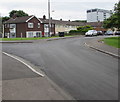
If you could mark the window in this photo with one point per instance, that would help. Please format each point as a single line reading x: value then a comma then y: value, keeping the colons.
x: 30, y: 25
x: 38, y: 25
x: 12, y: 25
x: 46, y: 25
x: 29, y: 34
x: 94, y: 10
x: 88, y: 11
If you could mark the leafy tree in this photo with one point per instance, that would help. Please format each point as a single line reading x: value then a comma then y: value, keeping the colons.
x: 19, y: 13
x: 5, y: 18
x: 114, y: 20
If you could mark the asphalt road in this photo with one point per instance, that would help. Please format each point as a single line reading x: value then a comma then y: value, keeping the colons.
x: 20, y: 83
x: 84, y: 73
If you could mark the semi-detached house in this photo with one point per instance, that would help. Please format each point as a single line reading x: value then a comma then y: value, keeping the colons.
x: 28, y: 26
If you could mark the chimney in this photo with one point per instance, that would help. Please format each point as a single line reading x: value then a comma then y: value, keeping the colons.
x: 44, y: 17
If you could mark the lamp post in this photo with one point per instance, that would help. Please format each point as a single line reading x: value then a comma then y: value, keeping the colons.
x: 49, y: 18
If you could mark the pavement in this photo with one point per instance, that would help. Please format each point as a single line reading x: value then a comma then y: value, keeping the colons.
x: 99, y: 45
x: 20, y: 83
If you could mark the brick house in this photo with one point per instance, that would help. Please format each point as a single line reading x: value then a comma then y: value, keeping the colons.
x: 28, y: 26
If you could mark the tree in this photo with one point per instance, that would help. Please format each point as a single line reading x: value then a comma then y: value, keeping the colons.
x: 114, y: 20
x: 5, y: 18
x: 19, y: 13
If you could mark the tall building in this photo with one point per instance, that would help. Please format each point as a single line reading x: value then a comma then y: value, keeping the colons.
x: 98, y: 15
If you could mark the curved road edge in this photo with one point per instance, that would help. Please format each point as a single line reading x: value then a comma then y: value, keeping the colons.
x: 37, y: 70
x: 103, y: 51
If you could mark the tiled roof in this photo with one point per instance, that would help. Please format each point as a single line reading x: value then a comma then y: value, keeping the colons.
x: 18, y: 19
x: 61, y: 22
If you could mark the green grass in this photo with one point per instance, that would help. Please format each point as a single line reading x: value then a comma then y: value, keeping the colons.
x: 15, y: 39
x: 112, y: 41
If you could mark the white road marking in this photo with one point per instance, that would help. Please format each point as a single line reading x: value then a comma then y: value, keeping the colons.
x: 24, y: 64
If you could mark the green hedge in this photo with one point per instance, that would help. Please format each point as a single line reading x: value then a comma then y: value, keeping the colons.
x: 76, y: 32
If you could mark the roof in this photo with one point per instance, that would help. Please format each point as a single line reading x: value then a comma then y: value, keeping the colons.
x: 53, y: 21
x: 61, y: 22
x: 20, y: 19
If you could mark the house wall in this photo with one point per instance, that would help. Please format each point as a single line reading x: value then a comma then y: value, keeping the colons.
x: 64, y: 28
x: 6, y: 32
x: 35, y: 28
x: 21, y: 30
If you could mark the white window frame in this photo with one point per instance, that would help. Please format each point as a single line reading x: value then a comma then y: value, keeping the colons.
x: 30, y: 25
x: 38, y: 25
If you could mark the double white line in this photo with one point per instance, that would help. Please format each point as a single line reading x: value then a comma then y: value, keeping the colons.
x: 32, y: 69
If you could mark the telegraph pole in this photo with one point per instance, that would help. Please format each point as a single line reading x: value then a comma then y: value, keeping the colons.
x: 1, y: 30
x: 49, y: 18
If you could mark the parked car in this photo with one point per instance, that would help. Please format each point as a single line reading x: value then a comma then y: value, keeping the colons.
x: 91, y: 33
x: 109, y: 32
x: 61, y: 34
x: 117, y: 32
x: 99, y: 33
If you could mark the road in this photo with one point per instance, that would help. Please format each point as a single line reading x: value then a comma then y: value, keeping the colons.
x: 84, y: 73
x: 20, y: 83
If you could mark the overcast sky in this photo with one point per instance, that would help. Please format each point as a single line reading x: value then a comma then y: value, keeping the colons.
x: 65, y: 9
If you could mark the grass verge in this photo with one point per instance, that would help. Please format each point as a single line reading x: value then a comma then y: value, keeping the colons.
x: 112, y: 41
x: 15, y: 39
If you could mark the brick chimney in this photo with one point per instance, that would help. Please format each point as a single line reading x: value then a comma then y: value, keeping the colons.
x: 44, y: 17
x: 60, y: 19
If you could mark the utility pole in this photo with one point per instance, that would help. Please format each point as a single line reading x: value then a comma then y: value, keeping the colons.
x: 1, y: 30
x: 49, y: 18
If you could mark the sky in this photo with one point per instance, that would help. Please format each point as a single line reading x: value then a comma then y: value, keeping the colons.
x: 60, y: 9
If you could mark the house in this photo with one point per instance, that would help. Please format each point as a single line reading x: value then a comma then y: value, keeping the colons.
x: 31, y: 26
x: 46, y: 26
x: 28, y: 26
x: 66, y: 26
x: 61, y: 26
x: 98, y: 15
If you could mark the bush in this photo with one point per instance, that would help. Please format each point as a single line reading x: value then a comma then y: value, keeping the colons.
x: 81, y: 30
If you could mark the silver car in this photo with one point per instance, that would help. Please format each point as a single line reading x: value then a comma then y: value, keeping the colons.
x: 91, y: 33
